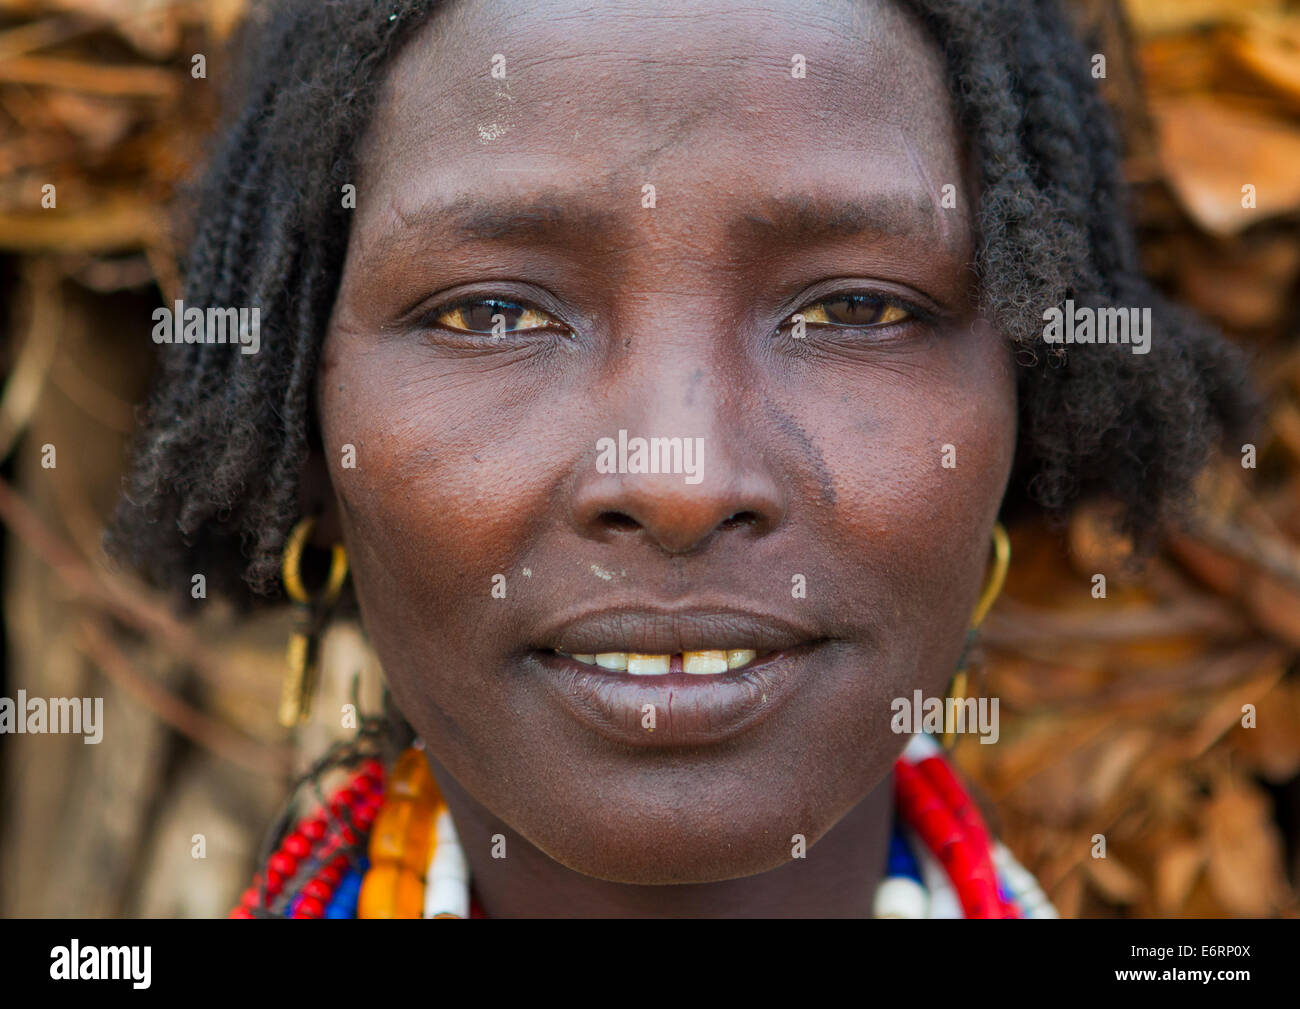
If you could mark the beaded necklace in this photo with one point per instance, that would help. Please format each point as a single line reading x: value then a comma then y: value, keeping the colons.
x: 384, y: 846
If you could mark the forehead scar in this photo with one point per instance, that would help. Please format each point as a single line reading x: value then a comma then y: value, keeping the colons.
x: 947, y: 226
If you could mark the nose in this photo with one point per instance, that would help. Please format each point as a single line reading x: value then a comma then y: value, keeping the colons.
x: 633, y: 487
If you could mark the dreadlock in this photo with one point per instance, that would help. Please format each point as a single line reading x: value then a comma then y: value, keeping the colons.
x: 214, y: 484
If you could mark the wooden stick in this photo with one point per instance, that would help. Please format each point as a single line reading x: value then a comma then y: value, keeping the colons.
x: 98, y: 645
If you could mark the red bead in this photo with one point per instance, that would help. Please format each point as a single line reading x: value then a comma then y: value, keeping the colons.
x: 240, y: 912
x: 274, y: 882
x: 343, y: 798
x: 314, y: 829
x: 252, y: 896
x: 309, y: 907
x: 340, y: 863
x: 959, y: 862
x: 365, y: 786
x: 296, y: 845
x: 932, y: 801
x: 330, y: 860
x: 945, y: 782
x: 332, y: 876
x: 373, y: 769
x: 318, y: 889
x: 283, y: 863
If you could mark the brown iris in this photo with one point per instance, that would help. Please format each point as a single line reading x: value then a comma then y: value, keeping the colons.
x: 854, y: 310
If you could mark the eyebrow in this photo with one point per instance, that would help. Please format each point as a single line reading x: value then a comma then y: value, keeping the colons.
x: 551, y: 216
x: 563, y: 217
x: 807, y: 218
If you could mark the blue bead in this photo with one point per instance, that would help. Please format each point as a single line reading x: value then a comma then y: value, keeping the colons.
x: 344, y: 902
x: 901, y: 860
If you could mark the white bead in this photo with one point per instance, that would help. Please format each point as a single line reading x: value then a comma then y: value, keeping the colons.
x: 1025, y: 890
x: 920, y: 747
x: 447, y: 888
x: 900, y: 897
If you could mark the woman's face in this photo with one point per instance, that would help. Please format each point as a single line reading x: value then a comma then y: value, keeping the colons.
x: 812, y: 519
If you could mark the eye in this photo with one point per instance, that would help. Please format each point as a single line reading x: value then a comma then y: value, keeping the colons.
x: 481, y: 315
x: 855, y: 311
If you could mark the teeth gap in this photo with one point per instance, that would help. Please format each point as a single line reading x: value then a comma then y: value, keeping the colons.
x: 709, y: 662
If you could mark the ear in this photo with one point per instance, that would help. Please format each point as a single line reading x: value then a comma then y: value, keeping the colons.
x: 316, y: 497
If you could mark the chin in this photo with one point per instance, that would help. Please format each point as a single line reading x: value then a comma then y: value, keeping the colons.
x: 656, y: 844
x: 648, y: 865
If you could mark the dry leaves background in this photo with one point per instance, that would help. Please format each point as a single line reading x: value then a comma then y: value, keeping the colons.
x: 1120, y: 717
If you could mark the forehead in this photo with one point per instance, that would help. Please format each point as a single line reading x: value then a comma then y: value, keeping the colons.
x: 698, y: 98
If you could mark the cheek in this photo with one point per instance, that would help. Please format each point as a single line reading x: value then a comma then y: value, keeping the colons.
x: 417, y: 539
x: 924, y: 457
x: 917, y: 458
x: 432, y: 500
x: 430, y: 509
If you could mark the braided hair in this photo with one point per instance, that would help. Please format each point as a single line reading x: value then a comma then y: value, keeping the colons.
x: 215, y: 478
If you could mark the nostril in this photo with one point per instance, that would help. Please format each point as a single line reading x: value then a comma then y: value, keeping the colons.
x: 739, y: 520
x: 619, y: 521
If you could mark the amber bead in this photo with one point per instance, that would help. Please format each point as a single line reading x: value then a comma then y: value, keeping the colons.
x: 389, y: 891
x: 402, y: 833
x: 412, y: 779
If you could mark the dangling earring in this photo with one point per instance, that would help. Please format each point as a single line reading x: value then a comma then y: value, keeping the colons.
x: 311, y: 614
x: 960, y: 681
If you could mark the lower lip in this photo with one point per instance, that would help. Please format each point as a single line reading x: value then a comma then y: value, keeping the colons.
x: 689, y: 710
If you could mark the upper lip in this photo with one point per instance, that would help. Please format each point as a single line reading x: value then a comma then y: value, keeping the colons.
x: 656, y: 631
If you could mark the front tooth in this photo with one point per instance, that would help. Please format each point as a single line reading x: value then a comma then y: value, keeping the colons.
x: 612, y: 660
x: 647, y: 665
x: 705, y: 663
x: 589, y: 659
x: 740, y: 657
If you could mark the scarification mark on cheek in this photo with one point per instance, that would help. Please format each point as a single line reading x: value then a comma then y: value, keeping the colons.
x: 816, y: 461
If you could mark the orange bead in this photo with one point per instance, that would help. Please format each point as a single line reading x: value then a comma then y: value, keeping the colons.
x: 412, y: 779
x: 389, y: 891
x: 419, y: 842
x: 403, y: 833
x: 388, y: 835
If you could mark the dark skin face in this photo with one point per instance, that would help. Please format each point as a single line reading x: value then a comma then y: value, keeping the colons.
x: 476, y: 455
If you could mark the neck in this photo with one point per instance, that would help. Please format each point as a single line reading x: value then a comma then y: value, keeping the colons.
x: 837, y: 878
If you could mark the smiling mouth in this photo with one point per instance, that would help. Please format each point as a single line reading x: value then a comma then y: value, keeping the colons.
x: 675, y: 676
x: 691, y: 708
x: 709, y: 662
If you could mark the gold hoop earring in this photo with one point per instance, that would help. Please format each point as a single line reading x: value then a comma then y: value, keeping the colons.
x: 311, y: 614
x: 992, y: 589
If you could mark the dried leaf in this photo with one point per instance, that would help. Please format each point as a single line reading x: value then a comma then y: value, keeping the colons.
x: 1177, y: 869
x: 1245, y: 853
x: 1113, y: 881
x: 1211, y: 149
